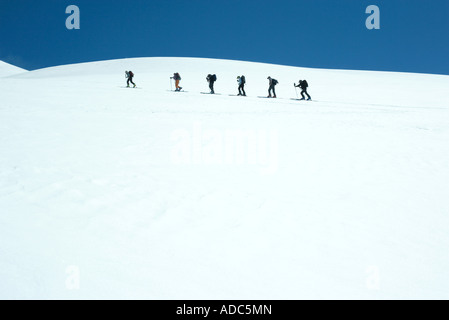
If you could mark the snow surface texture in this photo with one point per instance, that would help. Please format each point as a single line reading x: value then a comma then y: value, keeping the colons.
x: 8, y: 70
x: 108, y: 192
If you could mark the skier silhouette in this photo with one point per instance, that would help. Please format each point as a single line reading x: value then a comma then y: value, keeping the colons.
x: 272, y: 83
x: 177, y: 78
x: 241, y: 81
x: 303, y: 85
x: 129, y: 75
x: 211, y: 78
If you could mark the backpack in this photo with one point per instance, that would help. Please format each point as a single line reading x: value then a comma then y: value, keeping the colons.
x: 130, y: 74
x: 242, y: 78
x: 214, y: 77
x: 274, y: 82
x: 305, y: 84
x: 177, y: 76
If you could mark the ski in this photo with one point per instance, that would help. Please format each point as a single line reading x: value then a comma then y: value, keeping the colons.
x: 300, y: 99
x: 217, y: 94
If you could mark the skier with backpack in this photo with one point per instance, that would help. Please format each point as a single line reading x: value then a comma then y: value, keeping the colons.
x: 211, y: 78
x: 241, y: 81
x: 303, y: 85
x: 272, y: 83
x: 177, y: 78
x: 129, y: 75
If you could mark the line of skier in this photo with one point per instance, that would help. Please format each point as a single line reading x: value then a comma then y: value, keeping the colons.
x: 241, y: 80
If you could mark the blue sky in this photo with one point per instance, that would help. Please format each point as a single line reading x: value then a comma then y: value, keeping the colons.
x: 311, y: 33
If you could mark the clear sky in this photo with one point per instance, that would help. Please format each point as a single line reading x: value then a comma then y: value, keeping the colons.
x: 414, y: 35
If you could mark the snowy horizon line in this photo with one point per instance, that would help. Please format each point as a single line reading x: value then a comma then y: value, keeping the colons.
x: 222, y: 59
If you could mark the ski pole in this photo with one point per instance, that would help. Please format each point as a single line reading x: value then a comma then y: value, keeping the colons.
x: 296, y: 90
x: 171, y: 85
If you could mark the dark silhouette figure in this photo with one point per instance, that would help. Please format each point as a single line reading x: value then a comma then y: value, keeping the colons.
x: 177, y: 78
x: 211, y: 78
x: 129, y: 75
x: 303, y: 85
x: 271, y: 88
x: 241, y: 81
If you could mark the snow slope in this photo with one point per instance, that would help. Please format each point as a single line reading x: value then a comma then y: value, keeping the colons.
x: 7, y: 69
x: 108, y: 192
